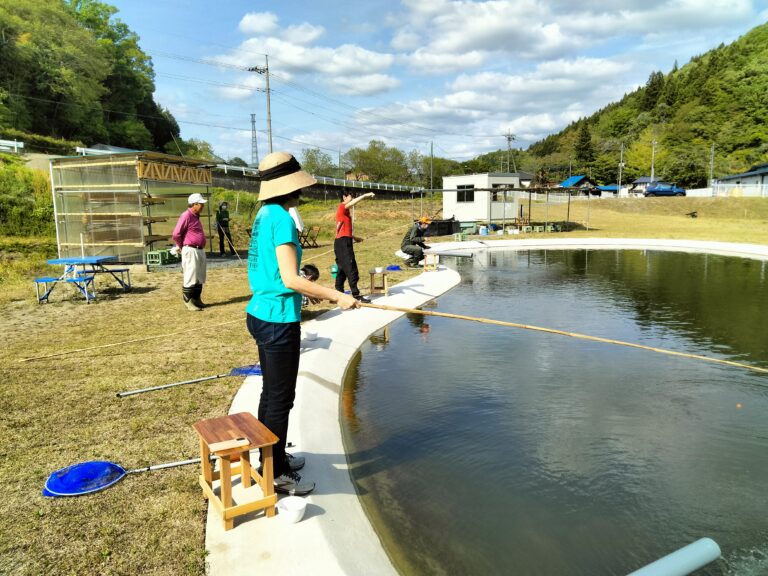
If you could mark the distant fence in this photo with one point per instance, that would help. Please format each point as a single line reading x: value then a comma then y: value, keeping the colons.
x: 11, y: 146
x: 732, y: 190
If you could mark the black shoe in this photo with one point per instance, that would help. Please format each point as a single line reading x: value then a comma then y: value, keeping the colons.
x: 294, y: 462
x: 291, y: 483
x: 363, y: 299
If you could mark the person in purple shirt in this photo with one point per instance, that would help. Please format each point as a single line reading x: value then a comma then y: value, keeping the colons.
x: 190, y: 241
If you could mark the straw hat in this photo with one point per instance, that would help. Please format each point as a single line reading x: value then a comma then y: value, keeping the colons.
x: 425, y: 220
x: 281, y: 174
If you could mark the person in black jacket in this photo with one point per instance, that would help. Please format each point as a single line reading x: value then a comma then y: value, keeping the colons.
x: 413, y: 241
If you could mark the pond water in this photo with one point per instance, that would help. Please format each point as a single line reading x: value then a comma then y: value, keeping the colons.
x: 481, y: 449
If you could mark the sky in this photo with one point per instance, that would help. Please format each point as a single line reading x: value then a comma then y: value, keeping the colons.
x: 453, y: 78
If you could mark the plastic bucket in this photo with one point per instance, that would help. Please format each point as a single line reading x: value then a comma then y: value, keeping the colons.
x: 483, y: 230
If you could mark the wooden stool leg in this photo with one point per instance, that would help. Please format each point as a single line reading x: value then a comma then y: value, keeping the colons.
x: 245, y: 469
x: 267, y: 477
x: 205, y: 462
x: 226, y: 490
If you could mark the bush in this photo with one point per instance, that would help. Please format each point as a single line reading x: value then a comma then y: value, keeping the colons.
x: 26, y: 206
x: 37, y: 143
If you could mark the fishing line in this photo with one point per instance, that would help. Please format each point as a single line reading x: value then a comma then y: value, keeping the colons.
x: 565, y: 333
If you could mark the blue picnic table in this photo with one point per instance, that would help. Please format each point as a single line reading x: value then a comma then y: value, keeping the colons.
x: 80, y: 272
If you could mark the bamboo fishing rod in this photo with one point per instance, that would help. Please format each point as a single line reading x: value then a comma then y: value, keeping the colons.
x: 563, y: 333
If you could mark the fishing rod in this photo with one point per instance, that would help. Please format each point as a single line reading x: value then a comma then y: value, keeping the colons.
x: 563, y: 333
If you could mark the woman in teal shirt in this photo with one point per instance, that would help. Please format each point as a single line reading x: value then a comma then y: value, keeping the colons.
x: 274, y: 311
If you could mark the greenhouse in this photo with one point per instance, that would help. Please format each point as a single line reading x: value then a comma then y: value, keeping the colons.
x: 124, y: 205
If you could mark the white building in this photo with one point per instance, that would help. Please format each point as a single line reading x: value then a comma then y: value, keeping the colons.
x: 472, y: 197
x: 752, y: 183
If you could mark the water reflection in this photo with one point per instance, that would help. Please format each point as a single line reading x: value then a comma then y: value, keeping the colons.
x: 539, y: 454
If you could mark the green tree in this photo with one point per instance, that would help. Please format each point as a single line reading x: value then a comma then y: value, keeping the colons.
x: 199, y: 149
x: 583, y: 150
x: 379, y: 162
x: 317, y: 162
x: 653, y: 89
x: 130, y: 83
x: 53, y: 70
x: 237, y: 161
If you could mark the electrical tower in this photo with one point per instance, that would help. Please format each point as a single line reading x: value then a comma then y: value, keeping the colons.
x: 254, y: 143
x: 510, y: 137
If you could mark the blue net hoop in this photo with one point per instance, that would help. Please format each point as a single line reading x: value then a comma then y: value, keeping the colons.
x: 251, y: 370
x: 83, y: 478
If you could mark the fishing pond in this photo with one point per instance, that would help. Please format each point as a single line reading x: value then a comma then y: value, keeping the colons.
x: 485, y: 449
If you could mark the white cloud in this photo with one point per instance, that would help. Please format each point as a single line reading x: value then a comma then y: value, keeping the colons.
x: 243, y: 88
x: 303, y: 33
x: 530, y: 66
x: 426, y: 62
x: 405, y: 40
x: 364, y: 85
x: 258, y: 23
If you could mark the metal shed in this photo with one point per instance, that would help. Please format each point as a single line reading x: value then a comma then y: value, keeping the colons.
x: 123, y: 205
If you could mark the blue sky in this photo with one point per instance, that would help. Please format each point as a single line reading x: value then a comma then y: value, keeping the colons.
x: 456, y: 75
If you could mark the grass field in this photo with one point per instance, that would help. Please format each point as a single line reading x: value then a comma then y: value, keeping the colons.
x: 62, y: 409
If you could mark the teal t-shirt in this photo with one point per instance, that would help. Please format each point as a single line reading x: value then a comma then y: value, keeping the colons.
x: 271, y: 300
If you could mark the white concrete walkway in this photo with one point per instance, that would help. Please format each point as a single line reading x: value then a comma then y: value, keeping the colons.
x: 335, y: 537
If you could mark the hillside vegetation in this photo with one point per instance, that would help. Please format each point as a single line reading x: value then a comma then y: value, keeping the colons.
x: 72, y: 74
x: 718, y: 102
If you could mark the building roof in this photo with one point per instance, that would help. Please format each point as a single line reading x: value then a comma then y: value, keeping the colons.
x: 520, y: 175
x: 755, y: 170
x: 575, y: 181
x: 609, y: 188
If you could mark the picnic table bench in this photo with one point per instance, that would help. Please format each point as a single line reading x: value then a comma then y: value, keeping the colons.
x: 81, y: 272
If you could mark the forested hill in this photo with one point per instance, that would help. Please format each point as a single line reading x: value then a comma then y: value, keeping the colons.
x: 719, y: 98
x: 69, y: 70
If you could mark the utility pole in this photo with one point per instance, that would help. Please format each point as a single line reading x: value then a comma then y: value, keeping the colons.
x: 510, y: 137
x: 621, y: 165
x: 254, y: 143
x: 712, y: 166
x: 431, y: 160
x: 653, y: 160
x: 265, y: 70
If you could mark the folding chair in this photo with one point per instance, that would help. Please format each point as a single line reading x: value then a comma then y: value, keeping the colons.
x: 312, y: 237
x: 303, y: 237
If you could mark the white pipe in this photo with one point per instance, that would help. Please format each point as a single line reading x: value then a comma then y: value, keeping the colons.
x: 683, y: 561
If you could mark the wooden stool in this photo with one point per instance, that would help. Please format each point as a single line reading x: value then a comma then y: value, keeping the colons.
x: 431, y: 261
x: 230, y: 438
x: 379, y: 287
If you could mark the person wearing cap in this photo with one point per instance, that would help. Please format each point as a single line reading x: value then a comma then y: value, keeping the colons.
x: 342, y: 245
x: 222, y: 225
x: 413, y: 241
x: 189, y: 238
x: 274, y: 311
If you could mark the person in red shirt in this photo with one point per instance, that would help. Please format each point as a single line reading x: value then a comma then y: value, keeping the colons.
x: 342, y: 245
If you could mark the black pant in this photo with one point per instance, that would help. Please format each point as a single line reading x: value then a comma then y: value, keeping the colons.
x: 345, y: 261
x: 279, y: 346
x: 414, y: 251
x: 224, y: 231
